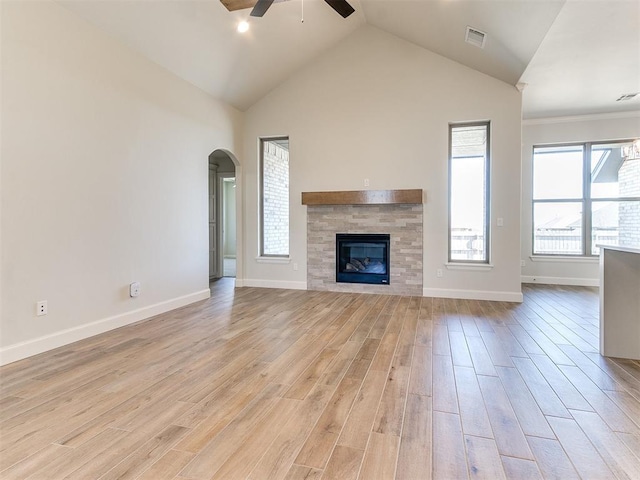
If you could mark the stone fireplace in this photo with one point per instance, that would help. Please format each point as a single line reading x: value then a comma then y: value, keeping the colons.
x: 401, y: 221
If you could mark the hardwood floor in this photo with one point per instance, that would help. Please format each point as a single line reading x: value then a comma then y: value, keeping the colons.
x: 283, y: 384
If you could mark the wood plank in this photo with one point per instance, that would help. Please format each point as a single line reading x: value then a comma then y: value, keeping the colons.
x: 545, y: 396
x: 141, y: 458
x: 390, y: 413
x: 278, y: 459
x: 532, y: 420
x: 449, y: 458
x: 167, y: 466
x: 414, y: 457
x: 504, y: 422
x: 421, y: 377
x: 305, y: 382
x: 480, y: 356
x: 316, y: 450
x: 78, y: 459
x: 445, y: 398
x: 585, y: 458
x: 215, y: 450
x: 497, y: 352
x: 380, y: 457
x: 614, y: 451
x: 590, y: 369
x: 520, y: 469
x: 363, y: 197
x: 300, y: 472
x: 248, y: 453
x: 617, y: 420
x: 483, y: 458
x: 551, y: 458
x: 33, y: 463
x: 425, y: 324
x: 247, y: 402
x: 440, y: 340
x: 360, y: 420
x: 344, y: 464
x: 459, y: 349
x: 475, y: 420
x: 560, y: 384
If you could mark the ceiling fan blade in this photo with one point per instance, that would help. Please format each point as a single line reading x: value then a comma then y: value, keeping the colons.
x: 261, y: 7
x: 340, y: 6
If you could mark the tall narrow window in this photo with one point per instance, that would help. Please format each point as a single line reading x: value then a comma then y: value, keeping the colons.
x: 558, y: 200
x: 274, y: 189
x: 469, y: 192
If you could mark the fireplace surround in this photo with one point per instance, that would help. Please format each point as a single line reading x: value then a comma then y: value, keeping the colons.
x: 402, y: 222
x: 397, y: 213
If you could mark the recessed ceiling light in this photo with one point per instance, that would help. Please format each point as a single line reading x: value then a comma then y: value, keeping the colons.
x: 626, y: 96
x: 243, y: 26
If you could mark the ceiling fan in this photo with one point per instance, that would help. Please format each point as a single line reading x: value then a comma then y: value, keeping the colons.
x: 261, y: 6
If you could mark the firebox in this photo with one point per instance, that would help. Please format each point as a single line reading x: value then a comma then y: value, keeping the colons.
x: 362, y: 258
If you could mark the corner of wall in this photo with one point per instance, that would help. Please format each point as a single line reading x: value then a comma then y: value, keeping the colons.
x: 19, y: 351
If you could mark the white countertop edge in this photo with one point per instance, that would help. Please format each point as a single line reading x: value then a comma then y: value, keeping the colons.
x: 621, y: 249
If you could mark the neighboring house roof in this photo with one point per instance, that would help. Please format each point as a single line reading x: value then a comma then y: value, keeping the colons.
x: 604, y: 215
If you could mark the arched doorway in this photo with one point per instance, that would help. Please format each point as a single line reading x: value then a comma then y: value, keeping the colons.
x: 224, y: 251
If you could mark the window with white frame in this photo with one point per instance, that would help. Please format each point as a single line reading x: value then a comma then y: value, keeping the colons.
x: 469, y: 192
x: 274, y: 190
x: 585, y: 195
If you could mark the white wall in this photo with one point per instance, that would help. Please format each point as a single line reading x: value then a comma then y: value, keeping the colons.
x: 378, y: 107
x: 104, y: 180
x: 566, y: 271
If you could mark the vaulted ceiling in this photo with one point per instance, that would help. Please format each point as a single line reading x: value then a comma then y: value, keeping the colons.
x: 575, y: 57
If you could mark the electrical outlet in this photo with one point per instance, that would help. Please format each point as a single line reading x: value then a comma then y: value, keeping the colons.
x: 439, y: 273
x: 295, y: 267
x: 366, y: 182
x: 41, y: 308
x: 522, y: 263
x: 500, y: 222
x: 134, y: 289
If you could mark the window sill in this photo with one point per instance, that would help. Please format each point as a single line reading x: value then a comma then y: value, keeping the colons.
x: 563, y: 259
x: 276, y: 260
x: 478, y: 267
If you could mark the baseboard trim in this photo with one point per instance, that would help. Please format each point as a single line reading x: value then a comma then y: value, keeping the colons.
x: 274, y: 284
x: 577, y: 282
x: 29, y: 348
x: 473, y: 294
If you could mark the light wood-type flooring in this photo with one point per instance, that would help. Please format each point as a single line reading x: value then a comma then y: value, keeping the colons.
x: 282, y: 384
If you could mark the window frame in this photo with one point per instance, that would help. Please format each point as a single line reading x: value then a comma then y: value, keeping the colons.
x: 487, y: 193
x: 261, y: 253
x: 586, y: 200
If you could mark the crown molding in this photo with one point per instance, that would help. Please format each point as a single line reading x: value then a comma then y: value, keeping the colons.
x: 581, y: 118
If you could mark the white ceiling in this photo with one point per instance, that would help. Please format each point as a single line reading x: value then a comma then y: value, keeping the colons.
x: 576, y: 56
x: 589, y: 58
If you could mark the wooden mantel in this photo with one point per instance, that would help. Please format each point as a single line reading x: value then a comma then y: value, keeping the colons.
x: 363, y: 197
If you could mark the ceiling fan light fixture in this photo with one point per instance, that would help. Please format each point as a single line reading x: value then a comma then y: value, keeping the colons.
x: 243, y: 26
x: 475, y: 37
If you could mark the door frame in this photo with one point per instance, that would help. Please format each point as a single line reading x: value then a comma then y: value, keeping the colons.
x: 220, y: 222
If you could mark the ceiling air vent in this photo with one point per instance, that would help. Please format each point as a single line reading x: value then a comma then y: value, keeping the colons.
x: 626, y: 96
x: 475, y: 37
